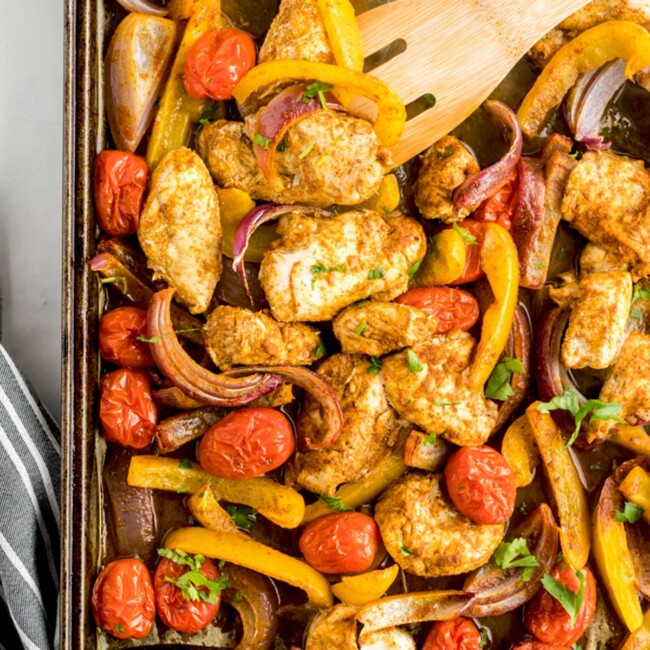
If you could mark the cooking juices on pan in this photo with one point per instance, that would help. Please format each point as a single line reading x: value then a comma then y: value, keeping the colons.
x: 352, y: 406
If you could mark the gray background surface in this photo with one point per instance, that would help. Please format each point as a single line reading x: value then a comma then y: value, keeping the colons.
x: 31, y: 101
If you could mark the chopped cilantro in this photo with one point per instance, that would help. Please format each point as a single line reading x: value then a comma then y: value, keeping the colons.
x: 498, y: 386
x: 320, y: 350
x: 119, y: 628
x: 448, y: 152
x: 570, y: 601
x: 184, y: 490
x: 145, y: 339
x: 185, y: 464
x: 317, y: 89
x: 630, y: 514
x: 320, y: 160
x: 120, y: 280
x: 386, y: 209
x: 540, y: 265
x: 262, y: 141
x: 243, y: 516
x: 431, y: 439
x: 415, y: 365
x: 485, y: 637
x: 569, y: 401
x: 206, y: 117
x: 282, y: 145
x: 320, y: 268
x: 406, y: 552
x: 361, y: 303
x: 514, y: 555
x: 640, y: 293
x: 306, y: 151
x: 376, y: 274
x: 465, y: 235
x: 363, y: 326
x: 636, y: 313
x: 194, y: 585
x: 334, y: 503
x: 414, y: 269
x: 239, y: 596
x: 442, y: 403
x: 375, y: 366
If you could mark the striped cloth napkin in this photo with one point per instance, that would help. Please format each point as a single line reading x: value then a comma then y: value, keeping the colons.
x: 30, y: 457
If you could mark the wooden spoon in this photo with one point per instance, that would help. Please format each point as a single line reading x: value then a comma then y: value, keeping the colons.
x: 456, y: 50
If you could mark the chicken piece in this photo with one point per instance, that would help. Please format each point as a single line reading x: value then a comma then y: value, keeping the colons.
x: 597, y: 323
x: 593, y: 14
x: 377, y: 328
x: 607, y: 199
x: 437, y: 398
x: 321, y: 265
x: 628, y: 385
x: 445, y: 165
x: 180, y: 228
x: 236, y: 336
x: 425, y: 533
x: 390, y: 638
x: 330, y: 158
x: 565, y: 293
x: 336, y: 627
x: 370, y: 430
x: 594, y: 259
x: 297, y: 32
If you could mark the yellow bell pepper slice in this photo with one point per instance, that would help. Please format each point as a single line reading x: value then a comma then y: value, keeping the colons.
x: 518, y: 448
x: 364, y: 588
x: 635, y: 487
x: 356, y: 494
x: 387, y: 197
x: 633, y: 438
x: 206, y: 510
x: 391, y: 117
x: 342, y: 32
x: 279, y: 503
x: 501, y: 265
x: 178, y: 111
x: 616, y: 39
x: 181, y: 9
x: 614, y: 559
x: 640, y: 638
x: 570, y: 499
x: 445, y: 260
x: 245, y: 551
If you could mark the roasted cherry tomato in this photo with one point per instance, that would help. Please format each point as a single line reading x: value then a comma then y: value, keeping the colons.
x: 177, y: 611
x: 538, y: 645
x: 247, y: 443
x: 120, y: 183
x: 123, y: 599
x: 340, y: 543
x: 499, y: 207
x: 549, y: 621
x: 217, y: 62
x: 118, y: 342
x: 481, y: 485
x: 454, y: 309
x: 126, y: 409
x: 459, y: 634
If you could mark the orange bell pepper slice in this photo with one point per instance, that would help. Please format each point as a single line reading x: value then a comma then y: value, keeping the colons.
x: 616, y: 39
x: 518, y: 448
x: 640, y: 638
x: 364, y: 588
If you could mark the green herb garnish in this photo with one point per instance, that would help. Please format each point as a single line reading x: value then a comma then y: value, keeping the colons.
x: 515, y: 555
x: 334, y: 503
x: 465, y: 235
x: 243, y: 516
x: 185, y: 464
x: 320, y: 350
x: 317, y: 89
x: 320, y: 268
x: 406, y: 552
x: 206, y: 117
x: 431, y: 439
x: 442, y: 403
x: 306, y: 151
x: 375, y: 366
x: 376, y: 274
x: 414, y: 269
x: 119, y: 628
x: 630, y: 514
x: 363, y: 326
x: 640, y: 293
x: 415, y: 365
x: 569, y: 600
x: 262, y: 141
x: 498, y: 386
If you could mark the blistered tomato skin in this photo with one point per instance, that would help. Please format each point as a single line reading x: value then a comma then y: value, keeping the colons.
x: 217, y: 62
x: 545, y: 617
x: 247, y: 443
x: 341, y: 543
x: 481, y: 485
x: 126, y: 409
x: 118, y: 338
x: 538, y: 645
x: 459, y: 634
x: 123, y: 599
x: 454, y: 309
x: 174, y: 609
x: 120, y: 181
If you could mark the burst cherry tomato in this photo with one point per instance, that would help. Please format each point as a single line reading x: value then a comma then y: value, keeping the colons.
x: 247, y: 443
x: 454, y: 309
x: 459, y: 634
x: 123, y: 599
x: 481, y: 485
x: 340, y: 543
x: 216, y: 63
x: 549, y: 621
x: 126, y: 409
x: 538, y: 645
x: 118, y: 343
x: 499, y: 207
x: 174, y: 609
x: 119, y: 186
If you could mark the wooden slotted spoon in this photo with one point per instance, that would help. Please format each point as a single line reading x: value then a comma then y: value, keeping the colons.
x: 456, y: 50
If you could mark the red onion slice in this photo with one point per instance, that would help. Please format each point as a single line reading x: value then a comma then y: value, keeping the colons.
x: 143, y: 7
x: 194, y: 380
x: 276, y: 118
x: 317, y: 387
x: 248, y: 225
x: 485, y: 183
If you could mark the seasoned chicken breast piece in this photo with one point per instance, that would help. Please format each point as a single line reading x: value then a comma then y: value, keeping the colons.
x: 370, y: 427
x: 297, y: 32
x: 426, y: 535
x: 445, y: 166
x: 607, y: 199
x: 390, y: 638
x: 236, y: 336
x: 594, y: 259
x: 628, y: 385
x: 377, y: 328
x: 437, y: 398
x: 336, y: 628
x: 329, y: 158
x: 180, y: 229
x: 597, y: 322
x: 321, y: 265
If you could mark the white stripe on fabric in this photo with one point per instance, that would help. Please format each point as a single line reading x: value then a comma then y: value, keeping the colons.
x: 27, y: 642
x: 22, y: 569
x: 30, y: 399
x: 20, y: 468
x: 36, y: 455
x: 2, y: 647
x: 57, y: 640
